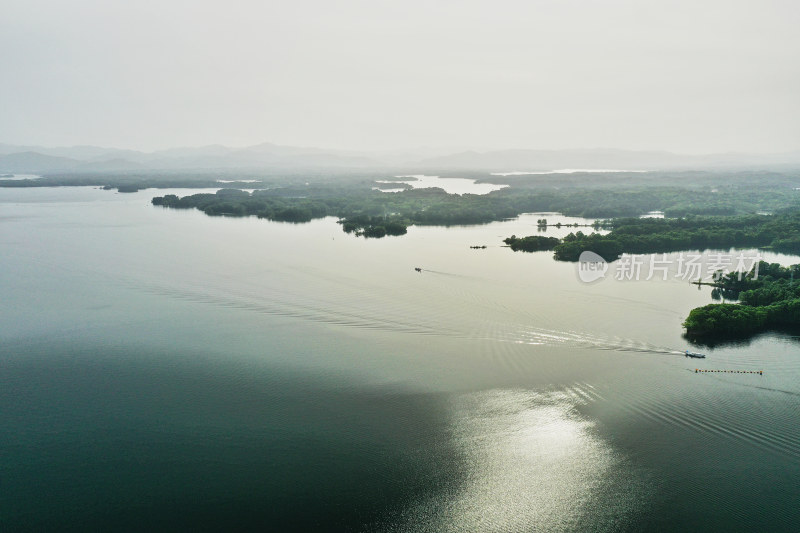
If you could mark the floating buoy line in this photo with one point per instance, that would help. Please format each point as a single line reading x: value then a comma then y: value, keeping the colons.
x: 759, y: 372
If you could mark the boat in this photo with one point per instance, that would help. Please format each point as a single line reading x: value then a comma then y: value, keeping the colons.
x: 418, y: 269
x: 694, y: 354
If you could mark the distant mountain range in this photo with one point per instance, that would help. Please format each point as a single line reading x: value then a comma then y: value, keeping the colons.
x: 88, y: 159
x: 96, y: 159
x: 543, y: 160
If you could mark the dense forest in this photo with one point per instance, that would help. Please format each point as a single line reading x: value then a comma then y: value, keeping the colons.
x: 704, y: 210
x: 769, y: 298
x: 779, y: 232
x: 364, y: 210
x: 534, y: 243
x: 355, y: 198
x: 434, y: 206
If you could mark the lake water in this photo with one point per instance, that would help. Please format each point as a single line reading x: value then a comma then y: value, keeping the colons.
x: 563, y: 171
x: 449, y: 185
x: 166, y: 370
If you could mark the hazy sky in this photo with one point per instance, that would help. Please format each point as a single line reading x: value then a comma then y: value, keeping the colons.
x: 687, y: 76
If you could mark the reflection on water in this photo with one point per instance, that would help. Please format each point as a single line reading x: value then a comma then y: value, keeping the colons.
x: 163, y: 363
x: 533, y: 463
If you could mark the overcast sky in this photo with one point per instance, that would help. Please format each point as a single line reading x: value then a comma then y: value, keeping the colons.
x: 686, y: 76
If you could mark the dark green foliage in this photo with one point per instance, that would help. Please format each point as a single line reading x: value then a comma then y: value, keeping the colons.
x: 769, y: 300
x: 654, y: 235
x: 595, y: 195
x: 789, y: 245
x: 736, y: 320
x: 293, y: 214
x: 574, y: 244
x: 395, y: 228
x: 375, y: 227
x: 365, y: 214
x: 351, y: 197
x: 725, y: 320
x: 170, y: 200
x: 374, y: 231
x: 531, y: 244
x: 769, y: 296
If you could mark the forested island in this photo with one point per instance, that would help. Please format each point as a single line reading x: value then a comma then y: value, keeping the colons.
x: 534, y: 243
x: 355, y: 196
x: 356, y: 214
x: 779, y: 232
x: 373, y: 213
x: 703, y: 210
x: 768, y: 299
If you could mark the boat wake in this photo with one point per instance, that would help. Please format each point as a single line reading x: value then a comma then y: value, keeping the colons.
x: 546, y: 337
x: 361, y: 312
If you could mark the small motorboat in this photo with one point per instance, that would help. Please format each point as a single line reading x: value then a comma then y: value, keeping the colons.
x: 418, y: 269
x: 694, y: 354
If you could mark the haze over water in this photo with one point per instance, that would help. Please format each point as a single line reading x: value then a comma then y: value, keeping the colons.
x: 163, y: 369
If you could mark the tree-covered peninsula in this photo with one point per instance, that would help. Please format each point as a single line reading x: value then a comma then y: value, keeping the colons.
x: 533, y: 243
x: 769, y: 298
x: 364, y: 210
x: 779, y: 232
x: 365, y: 215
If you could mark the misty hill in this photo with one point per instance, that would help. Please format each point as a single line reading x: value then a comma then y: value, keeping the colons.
x: 109, y: 165
x: 35, y: 162
x: 268, y: 156
x: 97, y: 159
x: 80, y: 153
x: 544, y: 160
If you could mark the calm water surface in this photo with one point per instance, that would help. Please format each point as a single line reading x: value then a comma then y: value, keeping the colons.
x: 165, y: 370
x: 449, y: 185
